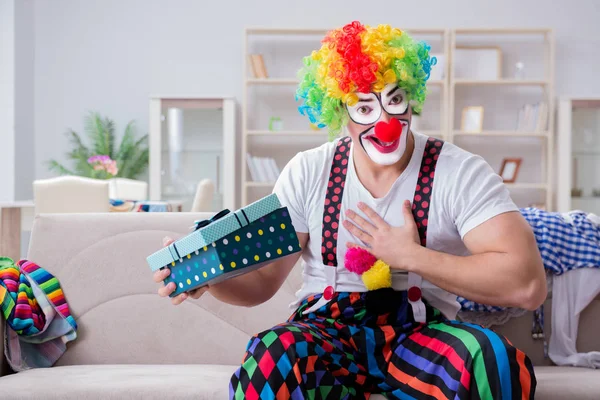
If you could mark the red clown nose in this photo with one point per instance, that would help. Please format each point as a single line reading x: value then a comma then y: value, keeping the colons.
x: 388, y: 131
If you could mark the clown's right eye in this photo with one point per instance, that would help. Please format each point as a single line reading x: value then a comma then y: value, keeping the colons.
x: 363, y: 110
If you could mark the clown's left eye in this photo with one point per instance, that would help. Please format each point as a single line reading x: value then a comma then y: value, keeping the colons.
x: 363, y: 110
x: 397, y: 99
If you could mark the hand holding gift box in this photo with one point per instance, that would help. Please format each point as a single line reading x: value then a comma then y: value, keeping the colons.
x: 227, y: 245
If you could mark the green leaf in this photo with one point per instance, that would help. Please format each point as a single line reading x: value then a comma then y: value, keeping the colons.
x: 138, y: 165
x: 142, y: 140
x: 127, y: 147
x: 102, y: 133
x: 76, y: 141
x: 54, y: 165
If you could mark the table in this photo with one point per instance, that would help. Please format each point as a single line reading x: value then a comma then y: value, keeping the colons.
x: 13, y: 213
x: 10, y: 227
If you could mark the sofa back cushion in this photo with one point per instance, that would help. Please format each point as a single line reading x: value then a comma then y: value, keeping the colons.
x: 100, y: 261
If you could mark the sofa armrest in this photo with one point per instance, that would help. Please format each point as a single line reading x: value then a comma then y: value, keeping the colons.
x: 4, y: 367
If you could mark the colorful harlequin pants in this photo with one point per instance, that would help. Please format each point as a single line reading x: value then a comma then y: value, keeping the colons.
x: 364, y: 343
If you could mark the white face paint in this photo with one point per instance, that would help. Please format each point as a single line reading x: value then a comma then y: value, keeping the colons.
x: 369, y: 110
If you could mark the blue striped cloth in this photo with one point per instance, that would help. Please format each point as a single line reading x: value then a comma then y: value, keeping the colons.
x: 566, y: 241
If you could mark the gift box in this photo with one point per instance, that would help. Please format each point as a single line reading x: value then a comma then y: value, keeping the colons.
x: 229, y: 244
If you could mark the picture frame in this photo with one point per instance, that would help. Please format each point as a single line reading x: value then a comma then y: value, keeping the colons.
x: 472, y: 119
x: 478, y: 62
x: 509, y: 170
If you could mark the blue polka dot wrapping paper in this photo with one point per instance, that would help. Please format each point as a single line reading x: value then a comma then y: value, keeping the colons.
x: 228, y: 245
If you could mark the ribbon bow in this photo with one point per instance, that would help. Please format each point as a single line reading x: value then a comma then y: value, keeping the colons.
x: 202, y: 223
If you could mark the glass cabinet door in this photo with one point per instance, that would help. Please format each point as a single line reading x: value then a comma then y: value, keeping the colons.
x: 585, y: 156
x: 192, y: 140
x: 192, y: 149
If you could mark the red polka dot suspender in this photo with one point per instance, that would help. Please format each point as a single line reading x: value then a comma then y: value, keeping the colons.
x: 335, y: 189
x: 424, y: 186
x: 333, y: 201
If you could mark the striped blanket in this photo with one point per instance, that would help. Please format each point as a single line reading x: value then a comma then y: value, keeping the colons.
x: 37, y: 314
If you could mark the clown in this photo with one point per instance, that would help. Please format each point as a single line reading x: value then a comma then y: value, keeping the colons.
x: 394, y: 225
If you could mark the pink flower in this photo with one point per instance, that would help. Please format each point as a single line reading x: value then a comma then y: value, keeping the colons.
x: 104, y: 163
x: 112, y: 168
x: 99, y: 159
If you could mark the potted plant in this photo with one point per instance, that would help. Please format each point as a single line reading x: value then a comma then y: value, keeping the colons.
x: 103, y: 159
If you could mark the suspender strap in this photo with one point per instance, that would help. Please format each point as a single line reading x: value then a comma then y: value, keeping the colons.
x: 420, y: 209
x: 421, y: 200
x: 333, y: 201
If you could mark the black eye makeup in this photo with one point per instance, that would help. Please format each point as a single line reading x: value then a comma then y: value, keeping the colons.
x: 394, y: 100
x: 369, y: 107
x: 367, y: 111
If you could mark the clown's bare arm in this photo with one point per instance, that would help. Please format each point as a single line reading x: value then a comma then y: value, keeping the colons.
x: 504, y: 268
x: 246, y: 290
x: 260, y: 285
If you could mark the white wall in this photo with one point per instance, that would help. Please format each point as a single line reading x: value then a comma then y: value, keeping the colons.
x: 17, y: 161
x: 111, y: 55
x: 24, y: 111
x: 7, y: 105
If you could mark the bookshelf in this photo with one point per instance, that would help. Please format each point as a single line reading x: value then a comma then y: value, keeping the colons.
x: 283, y: 49
x: 514, y: 128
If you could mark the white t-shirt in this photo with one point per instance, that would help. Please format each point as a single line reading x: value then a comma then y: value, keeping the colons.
x: 466, y: 192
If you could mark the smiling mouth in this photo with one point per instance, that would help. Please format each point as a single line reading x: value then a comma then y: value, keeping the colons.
x: 380, y: 142
x: 383, y: 147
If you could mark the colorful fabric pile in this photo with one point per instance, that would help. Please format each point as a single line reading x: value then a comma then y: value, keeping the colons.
x: 37, y: 314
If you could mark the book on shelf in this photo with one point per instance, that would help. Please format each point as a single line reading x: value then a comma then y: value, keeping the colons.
x: 533, y: 117
x: 262, y: 169
x: 259, y: 69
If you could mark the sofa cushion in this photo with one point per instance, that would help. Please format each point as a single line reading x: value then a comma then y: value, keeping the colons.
x: 120, y: 382
x: 212, y: 382
x: 556, y: 383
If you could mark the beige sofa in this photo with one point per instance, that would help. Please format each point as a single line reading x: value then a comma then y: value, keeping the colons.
x: 133, y: 344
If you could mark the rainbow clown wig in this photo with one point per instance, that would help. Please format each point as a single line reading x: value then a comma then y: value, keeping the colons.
x: 360, y: 59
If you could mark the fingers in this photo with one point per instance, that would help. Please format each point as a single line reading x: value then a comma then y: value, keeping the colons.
x: 409, y: 221
x: 161, y: 274
x: 167, y: 241
x: 167, y: 289
x: 179, y: 299
x: 360, y: 234
x: 373, y: 216
x: 407, y: 211
x: 360, y: 221
x: 197, y: 293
